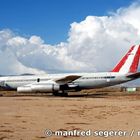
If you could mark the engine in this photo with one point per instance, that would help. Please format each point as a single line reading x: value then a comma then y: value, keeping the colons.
x: 39, y: 88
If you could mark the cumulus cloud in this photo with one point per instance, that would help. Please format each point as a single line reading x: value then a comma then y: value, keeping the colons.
x: 94, y: 44
x: 36, y: 40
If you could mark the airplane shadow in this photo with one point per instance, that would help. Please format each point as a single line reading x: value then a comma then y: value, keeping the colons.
x: 71, y: 95
x: 94, y: 95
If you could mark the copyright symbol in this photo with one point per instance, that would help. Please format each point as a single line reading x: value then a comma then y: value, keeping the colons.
x: 48, y: 133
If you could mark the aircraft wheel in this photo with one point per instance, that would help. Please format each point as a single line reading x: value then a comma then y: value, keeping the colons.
x: 56, y: 94
x: 64, y: 94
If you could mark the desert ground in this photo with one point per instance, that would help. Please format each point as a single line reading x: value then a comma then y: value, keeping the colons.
x: 26, y: 117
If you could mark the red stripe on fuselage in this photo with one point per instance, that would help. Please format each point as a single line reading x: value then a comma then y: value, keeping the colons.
x: 123, y: 60
x: 134, y: 65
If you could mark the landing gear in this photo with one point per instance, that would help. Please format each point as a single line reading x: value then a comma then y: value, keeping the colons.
x: 56, y: 93
x: 62, y: 93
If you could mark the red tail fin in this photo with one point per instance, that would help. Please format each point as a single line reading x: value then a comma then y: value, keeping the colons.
x: 129, y: 63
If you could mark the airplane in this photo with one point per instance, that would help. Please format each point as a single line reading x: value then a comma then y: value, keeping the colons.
x: 61, y: 84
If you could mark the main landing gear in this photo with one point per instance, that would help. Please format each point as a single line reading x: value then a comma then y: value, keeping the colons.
x: 61, y: 94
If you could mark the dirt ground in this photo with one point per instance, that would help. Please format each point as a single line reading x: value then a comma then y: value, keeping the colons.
x: 107, y: 115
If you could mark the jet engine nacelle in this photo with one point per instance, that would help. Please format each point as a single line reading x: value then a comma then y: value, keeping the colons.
x: 39, y: 88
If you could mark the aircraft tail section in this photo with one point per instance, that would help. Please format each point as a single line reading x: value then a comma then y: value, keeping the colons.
x: 129, y: 63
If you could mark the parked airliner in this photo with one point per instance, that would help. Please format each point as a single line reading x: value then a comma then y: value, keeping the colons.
x: 61, y: 84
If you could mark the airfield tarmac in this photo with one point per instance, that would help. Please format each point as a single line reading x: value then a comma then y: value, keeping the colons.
x: 27, y: 117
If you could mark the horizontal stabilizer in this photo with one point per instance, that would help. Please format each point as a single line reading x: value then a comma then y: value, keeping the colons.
x: 134, y: 75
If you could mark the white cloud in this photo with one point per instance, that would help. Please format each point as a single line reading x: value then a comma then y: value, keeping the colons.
x: 11, y: 65
x: 131, y: 14
x: 36, y: 40
x: 94, y: 44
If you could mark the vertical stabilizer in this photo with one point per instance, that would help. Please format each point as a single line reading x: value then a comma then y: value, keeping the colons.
x: 129, y: 63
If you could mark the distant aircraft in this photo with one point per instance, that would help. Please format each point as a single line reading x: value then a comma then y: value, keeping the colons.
x: 61, y: 84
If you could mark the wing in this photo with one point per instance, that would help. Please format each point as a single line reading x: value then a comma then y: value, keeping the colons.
x: 60, y: 81
x: 47, y: 86
x: 67, y: 79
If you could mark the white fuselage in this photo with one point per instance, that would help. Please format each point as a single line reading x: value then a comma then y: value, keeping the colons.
x: 86, y: 81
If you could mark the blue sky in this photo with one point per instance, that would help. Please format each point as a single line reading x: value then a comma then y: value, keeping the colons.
x: 51, y: 19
